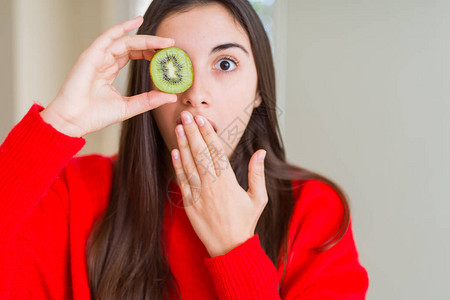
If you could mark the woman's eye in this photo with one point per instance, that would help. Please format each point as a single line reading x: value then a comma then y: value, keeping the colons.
x: 226, y: 65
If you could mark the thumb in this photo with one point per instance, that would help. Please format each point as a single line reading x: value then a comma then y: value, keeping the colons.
x: 141, y: 103
x: 256, y: 178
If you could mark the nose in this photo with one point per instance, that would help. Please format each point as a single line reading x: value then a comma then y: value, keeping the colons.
x: 198, y: 94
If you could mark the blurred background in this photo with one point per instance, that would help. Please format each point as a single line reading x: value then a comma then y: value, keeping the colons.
x: 363, y: 98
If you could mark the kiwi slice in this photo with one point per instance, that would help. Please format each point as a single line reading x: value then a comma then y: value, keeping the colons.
x: 171, y: 70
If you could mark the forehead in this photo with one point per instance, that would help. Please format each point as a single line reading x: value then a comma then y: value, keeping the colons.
x: 203, y: 27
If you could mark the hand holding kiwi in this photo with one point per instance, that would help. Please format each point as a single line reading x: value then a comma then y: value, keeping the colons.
x: 87, y: 100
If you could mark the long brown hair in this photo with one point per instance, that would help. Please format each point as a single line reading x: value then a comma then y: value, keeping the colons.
x: 126, y: 251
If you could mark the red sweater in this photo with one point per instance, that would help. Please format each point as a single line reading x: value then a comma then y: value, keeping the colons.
x: 51, y: 198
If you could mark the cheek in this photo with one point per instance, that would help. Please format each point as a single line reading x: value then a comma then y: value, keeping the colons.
x: 234, y: 124
x: 241, y: 84
x: 237, y: 104
x: 238, y: 90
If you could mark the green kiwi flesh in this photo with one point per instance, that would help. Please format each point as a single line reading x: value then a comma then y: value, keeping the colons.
x: 171, y: 70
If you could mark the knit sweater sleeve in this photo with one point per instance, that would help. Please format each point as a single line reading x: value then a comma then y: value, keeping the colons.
x: 33, y: 246
x: 31, y: 157
x: 246, y: 272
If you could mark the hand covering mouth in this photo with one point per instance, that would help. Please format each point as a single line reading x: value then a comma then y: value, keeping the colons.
x: 211, y: 122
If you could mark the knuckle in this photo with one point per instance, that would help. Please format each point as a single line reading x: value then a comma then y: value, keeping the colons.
x: 208, y: 133
x: 188, y: 200
x: 150, y: 41
x: 218, y: 154
x: 261, y: 199
x: 85, y: 55
x: 259, y: 172
x: 198, y: 152
x: 184, y: 144
x: 190, y: 129
x: 191, y: 176
x: 264, y: 201
x: 210, y: 193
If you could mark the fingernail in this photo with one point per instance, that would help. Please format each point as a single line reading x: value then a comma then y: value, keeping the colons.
x: 176, y: 154
x: 200, y: 120
x: 180, y: 130
x: 261, y: 156
x: 186, y: 117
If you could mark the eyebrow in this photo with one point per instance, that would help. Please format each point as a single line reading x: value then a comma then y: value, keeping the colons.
x: 227, y: 46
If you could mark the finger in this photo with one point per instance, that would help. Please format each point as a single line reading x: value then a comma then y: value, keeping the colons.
x: 256, y: 178
x: 115, y: 32
x: 141, y: 103
x: 138, y: 42
x: 182, y: 178
x: 199, y: 149
x: 189, y: 165
x: 217, y: 152
x: 136, y: 54
x: 141, y: 54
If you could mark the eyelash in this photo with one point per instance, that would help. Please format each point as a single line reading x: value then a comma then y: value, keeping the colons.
x: 232, y: 59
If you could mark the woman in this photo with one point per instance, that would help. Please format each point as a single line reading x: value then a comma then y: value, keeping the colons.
x: 184, y: 210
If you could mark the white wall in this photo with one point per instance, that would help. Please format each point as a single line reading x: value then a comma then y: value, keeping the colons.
x: 368, y: 105
x: 7, y: 68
